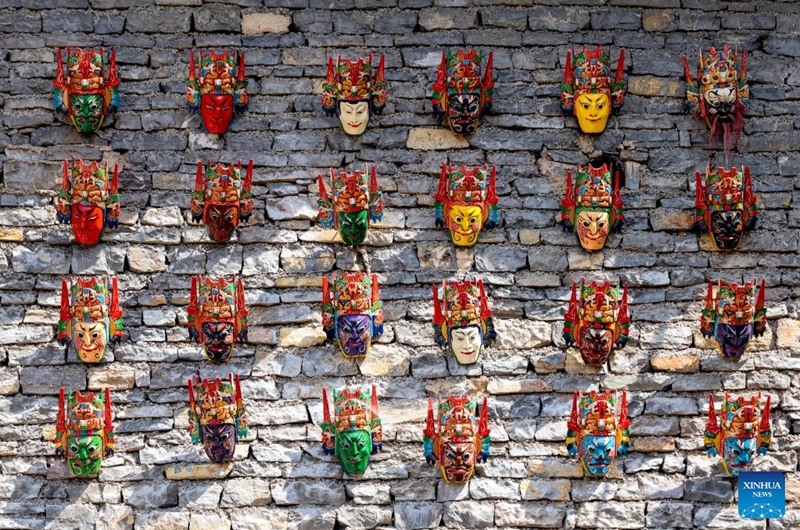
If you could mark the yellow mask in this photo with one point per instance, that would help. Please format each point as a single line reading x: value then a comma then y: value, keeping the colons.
x: 592, y: 228
x: 465, y: 223
x: 592, y: 111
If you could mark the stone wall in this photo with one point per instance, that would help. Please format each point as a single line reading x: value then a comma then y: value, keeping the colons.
x: 157, y: 480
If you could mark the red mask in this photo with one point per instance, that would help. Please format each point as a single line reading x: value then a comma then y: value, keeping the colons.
x: 218, y: 90
x: 216, y: 110
x: 89, y: 200
x: 221, y: 219
x: 88, y: 223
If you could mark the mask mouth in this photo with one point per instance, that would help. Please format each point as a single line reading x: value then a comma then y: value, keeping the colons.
x: 467, y: 353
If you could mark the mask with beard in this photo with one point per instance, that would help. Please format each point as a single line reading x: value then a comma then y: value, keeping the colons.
x: 598, y: 430
x: 742, y: 431
x: 725, y: 206
x: 597, y: 321
x: 221, y: 90
x: 733, y: 314
x: 353, y: 91
x: 589, y: 92
x: 217, y: 416
x: 217, y: 316
x: 354, y: 433
x: 355, y: 201
x: 222, y: 198
x: 463, y: 90
x: 85, y: 95
x: 352, y: 312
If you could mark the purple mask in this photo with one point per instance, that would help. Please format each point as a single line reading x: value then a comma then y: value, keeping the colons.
x: 354, y: 333
x: 219, y: 441
x: 733, y: 339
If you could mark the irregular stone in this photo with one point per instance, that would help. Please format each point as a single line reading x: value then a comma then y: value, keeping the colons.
x: 435, y: 139
x: 258, y: 23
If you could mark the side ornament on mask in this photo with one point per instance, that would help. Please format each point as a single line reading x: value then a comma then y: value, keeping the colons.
x: 217, y: 316
x: 598, y: 430
x: 589, y: 92
x: 90, y: 317
x: 733, y: 314
x: 353, y: 91
x: 353, y: 203
x: 220, y: 91
x: 352, y: 311
x: 89, y: 200
x: 354, y: 433
x: 456, y: 440
x: 725, y: 206
x: 84, y: 431
x: 222, y: 198
x: 463, y: 90
x: 462, y: 321
x: 466, y: 202
x: 742, y: 431
x: 719, y: 95
x: 217, y: 416
x: 86, y: 95
x: 597, y: 320
x: 592, y: 207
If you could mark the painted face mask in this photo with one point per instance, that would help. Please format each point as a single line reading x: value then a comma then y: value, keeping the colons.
x: 354, y: 91
x: 466, y: 202
x: 597, y: 431
x: 84, y: 431
x: 456, y: 441
x: 592, y: 208
x: 86, y: 95
x: 720, y: 94
x: 462, y: 322
x: 463, y: 90
x: 725, y: 206
x: 217, y: 416
x: 597, y: 321
x: 217, y: 316
x: 355, y: 432
x: 589, y: 92
x: 89, y: 200
x: 742, y: 431
x: 220, y: 91
x: 352, y: 312
x: 222, y: 199
x: 733, y: 314
x: 90, y: 317
x: 355, y: 202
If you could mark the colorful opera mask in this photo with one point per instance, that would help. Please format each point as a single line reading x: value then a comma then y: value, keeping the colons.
x: 84, y: 431
x: 355, y: 202
x: 222, y: 198
x: 86, y: 96
x: 89, y: 200
x: 90, y: 317
x: 217, y: 316
x: 462, y: 322
x: 220, y: 91
x: 355, y: 432
x: 352, y: 312
x: 597, y: 431
x: 589, y: 91
x: 720, y: 94
x: 217, y: 416
x: 463, y: 90
x: 592, y: 208
x: 466, y: 202
x: 733, y: 314
x: 597, y: 321
x: 457, y: 441
x: 354, y: 91
x: 725, y: 206
x: 742, y: 431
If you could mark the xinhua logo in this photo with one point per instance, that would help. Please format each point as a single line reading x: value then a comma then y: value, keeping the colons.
x: 762, y: 494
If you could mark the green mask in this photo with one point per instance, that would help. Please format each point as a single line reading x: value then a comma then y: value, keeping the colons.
x: 86, y: 111
x: 353, y: 449
x: 85, y: 455
x: 352, y: 226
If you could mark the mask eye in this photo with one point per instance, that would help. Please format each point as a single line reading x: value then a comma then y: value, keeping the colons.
x: 473, y: 220
x: 600, y: 106
x: 459, y: 218
x: 73, y: 448
x: 586, y: 106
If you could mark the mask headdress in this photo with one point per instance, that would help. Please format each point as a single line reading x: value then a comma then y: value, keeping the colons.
x: 90, y: 316
x: 84, y: 431
x: 592, y: 207
x: 217, y: 316
x: 463, y: 90
x: 85, y: 94
x: 354, y: 432
x: 589, y: 88
x: 354, y: 201
x: 598, y: 429
x: 351, y: 83
x: 89, y: 200
x: 222, y: 197
x: 458, y: 440
x: 466, y: 202
x: 742, y: 431
x: 217, y: 416
x: 463, y: 311
x: 733, y: 314
x: 720, y: 94
x: 597, y: 320
x: 220, y: 91
x: 352, y: 312
x: 725, y: 206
